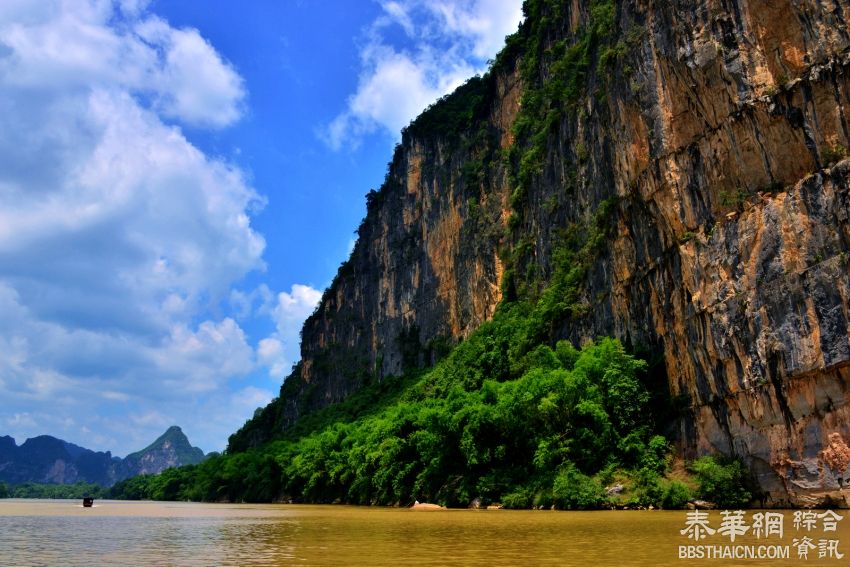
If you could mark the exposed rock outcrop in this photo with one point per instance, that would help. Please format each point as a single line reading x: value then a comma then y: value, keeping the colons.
x: 715, y: 132
x: 171, y: 449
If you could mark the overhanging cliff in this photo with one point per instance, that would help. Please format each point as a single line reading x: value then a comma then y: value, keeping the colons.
x: 710, y: 136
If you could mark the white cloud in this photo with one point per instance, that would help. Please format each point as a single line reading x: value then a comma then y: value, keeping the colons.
x: 484, y: 22
x: 296, y: 305
x: 203, y: 360
x: 133, y: 7
x: 149, y: 418
x: 251, y: 397
x: 20, y: 419
x: 398, y: 13
x: 195, y: 85
x: 118, y: 237
x: 270, y: 354
x: 258, y: 301
x: 86, y: 43
x: 399, y: 87
x: 280, y: 350
x: 445, y: 43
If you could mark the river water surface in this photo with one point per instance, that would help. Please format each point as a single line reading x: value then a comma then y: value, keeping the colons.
x: 62, y: 532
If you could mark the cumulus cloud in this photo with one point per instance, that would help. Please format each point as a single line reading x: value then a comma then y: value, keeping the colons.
x: 121, y: 242
x: 280, y: 350
x: 85, y: 44
x: 204, y: 94
x: 247, y: 304
x: 270, y: 354
x: 203, y: 359
x: 444, y: 43
x: 483, y: 23
x: 118, y: 237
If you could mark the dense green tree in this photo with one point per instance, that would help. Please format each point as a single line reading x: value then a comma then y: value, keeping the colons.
x: 723, y: 481
x: 537, y: 439
x: 510, y: 414
x: 72, y: 491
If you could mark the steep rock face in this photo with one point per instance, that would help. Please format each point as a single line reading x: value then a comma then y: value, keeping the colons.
x: 727, y: 252
x: 710, y: 131
x: 425, y: 269
x: 171, y: 449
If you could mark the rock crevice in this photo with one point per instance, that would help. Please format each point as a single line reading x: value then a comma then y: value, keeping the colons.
x: 718, y: 130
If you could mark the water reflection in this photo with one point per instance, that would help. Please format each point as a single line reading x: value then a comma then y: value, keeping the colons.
x: 155, y: 533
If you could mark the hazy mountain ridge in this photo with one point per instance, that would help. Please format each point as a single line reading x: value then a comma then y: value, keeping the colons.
x: 47, y: 459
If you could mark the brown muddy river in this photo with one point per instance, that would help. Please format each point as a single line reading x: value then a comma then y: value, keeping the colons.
x: 61, y: 532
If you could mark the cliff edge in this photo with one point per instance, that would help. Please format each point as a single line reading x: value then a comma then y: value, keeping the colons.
x: 709, y: 139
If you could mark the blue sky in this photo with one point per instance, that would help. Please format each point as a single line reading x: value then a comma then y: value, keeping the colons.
x: 179, y: 180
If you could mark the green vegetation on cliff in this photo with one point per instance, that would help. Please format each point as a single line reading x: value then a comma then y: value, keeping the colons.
x: 511, y: 414
x: 508, y: 416
x: 493, y: 421
x: 500, y: 419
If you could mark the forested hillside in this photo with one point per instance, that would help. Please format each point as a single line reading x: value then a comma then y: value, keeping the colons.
x: 670, y: 176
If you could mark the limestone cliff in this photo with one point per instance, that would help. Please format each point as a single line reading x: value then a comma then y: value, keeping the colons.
x: 712, y: 136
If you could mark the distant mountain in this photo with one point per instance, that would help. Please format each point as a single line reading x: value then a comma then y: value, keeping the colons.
x: 171, y: 449
x: 46, y: 459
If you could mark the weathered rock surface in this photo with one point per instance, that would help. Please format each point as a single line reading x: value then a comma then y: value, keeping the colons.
x: 719, y: 130
x: 171, y: 449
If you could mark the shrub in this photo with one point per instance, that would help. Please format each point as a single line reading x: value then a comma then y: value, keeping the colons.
x: 517, y: 499
x: 676, y: 495
x: 734, y: 198
x: 833, y: 155
x: 722, y: 481
x: 656, y: 455
x: 648, y: 488
x: 574, y: 490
